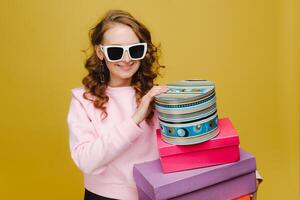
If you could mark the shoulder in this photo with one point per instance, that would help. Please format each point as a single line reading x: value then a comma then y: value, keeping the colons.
x: 78, y: 93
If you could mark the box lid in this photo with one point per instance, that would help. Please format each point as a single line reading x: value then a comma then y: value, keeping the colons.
x: 186, y: 90
x: 227, y: 137
x: 157, y: 185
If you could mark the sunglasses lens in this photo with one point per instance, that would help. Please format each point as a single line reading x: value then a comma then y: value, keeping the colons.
x: 137, y: 51
x: 114, y: 53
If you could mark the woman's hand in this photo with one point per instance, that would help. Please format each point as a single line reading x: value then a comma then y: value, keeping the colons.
x: 253, y: 196
x: 143, y: 108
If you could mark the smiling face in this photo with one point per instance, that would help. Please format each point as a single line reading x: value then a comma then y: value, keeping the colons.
x: 120, y: 72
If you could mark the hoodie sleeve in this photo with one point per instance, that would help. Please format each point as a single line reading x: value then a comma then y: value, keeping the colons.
x: 90, y: 152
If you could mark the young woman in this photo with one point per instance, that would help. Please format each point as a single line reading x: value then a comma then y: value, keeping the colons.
x: 111, y: 120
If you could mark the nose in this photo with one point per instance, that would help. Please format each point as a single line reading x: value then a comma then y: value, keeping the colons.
x: 126, y: 57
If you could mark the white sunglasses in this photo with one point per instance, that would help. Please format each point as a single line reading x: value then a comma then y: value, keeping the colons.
x: 115, y: 53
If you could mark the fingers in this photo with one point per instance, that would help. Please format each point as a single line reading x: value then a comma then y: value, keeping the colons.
x: 253, y: 196
x: 156, y: 90
x: 143, y: 108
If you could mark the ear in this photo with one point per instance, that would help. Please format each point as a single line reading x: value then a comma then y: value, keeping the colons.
x: 99, y: 52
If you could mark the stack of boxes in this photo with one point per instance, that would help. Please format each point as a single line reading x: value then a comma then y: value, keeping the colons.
x: 200, y: 156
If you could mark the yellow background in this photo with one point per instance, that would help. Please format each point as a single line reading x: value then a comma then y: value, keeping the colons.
x: 249, y: 48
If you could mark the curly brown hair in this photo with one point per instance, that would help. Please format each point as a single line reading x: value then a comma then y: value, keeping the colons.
x: 142, y: 81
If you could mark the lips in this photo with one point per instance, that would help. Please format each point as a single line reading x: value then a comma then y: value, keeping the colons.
x: 125, y: 67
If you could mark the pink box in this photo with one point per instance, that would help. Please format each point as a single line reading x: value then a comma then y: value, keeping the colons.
x: 222, y: 149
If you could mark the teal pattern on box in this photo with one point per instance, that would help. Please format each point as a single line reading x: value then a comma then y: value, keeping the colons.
x: 187, y: 112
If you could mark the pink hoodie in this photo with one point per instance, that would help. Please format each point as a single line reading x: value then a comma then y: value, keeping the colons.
x: 106, y: 151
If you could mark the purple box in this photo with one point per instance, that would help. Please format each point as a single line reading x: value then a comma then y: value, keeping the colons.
x: 219, y: 182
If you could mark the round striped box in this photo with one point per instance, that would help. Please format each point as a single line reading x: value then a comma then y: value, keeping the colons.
x: 187, y: 112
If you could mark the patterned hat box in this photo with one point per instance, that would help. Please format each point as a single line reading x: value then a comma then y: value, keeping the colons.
x: 220, y: 150
x: 220, y: 182
x: 187, y: 112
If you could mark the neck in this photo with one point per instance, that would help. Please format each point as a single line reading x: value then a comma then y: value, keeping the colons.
x: 119, y: 82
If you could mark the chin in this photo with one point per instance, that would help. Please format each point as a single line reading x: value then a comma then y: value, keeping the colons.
x: 126, y: 75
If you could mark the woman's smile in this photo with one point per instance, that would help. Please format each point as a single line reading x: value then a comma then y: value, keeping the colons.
x: 125, y: 67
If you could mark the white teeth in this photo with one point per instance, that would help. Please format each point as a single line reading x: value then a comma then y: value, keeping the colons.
x: 123, y: 66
